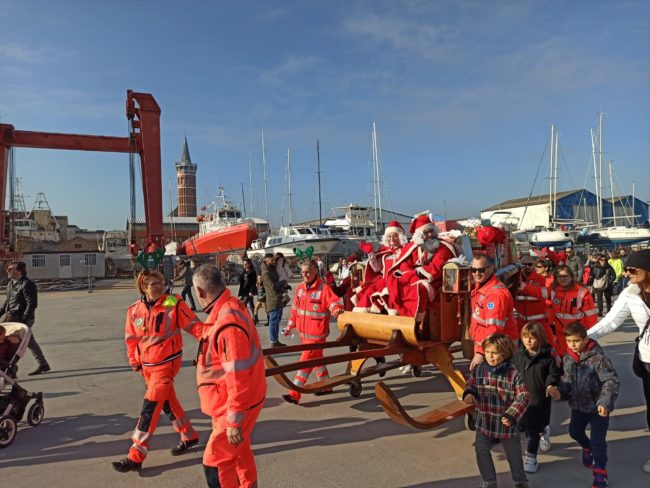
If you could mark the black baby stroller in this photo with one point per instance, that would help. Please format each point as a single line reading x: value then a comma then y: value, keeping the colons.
x: 13, y: 398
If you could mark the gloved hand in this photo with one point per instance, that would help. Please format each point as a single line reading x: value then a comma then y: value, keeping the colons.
x: 329, y: 278
x: 286, y: 332
x: 136, y: 367
x: 366, y: 247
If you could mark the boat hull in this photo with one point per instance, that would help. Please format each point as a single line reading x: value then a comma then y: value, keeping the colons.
x: 233, y: 238
x: 615, y: 237
x: 549, y: 238
x: 321, y: 246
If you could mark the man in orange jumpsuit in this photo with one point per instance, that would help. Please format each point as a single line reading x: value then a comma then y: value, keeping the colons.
x: 231, y: 382
x: 313, y: 304
x: 492, y: 307
x: 155, y: 348
x: 529, y: 308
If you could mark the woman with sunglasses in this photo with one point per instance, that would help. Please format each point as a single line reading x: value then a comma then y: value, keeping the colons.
x: 569, y: 302
x: 601, y: 281
x: 634, y: 301
x: 154, y: 345
x: 542, y: 268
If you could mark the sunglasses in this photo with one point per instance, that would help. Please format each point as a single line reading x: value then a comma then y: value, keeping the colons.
x: 479, y: 270
x: 527, y: 264
x: 559, y: 277
x: 540, y: 266
x: 154, y: 283
x: 631, y: 271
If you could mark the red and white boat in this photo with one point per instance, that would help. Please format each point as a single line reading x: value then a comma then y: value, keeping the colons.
x: 221, y: 229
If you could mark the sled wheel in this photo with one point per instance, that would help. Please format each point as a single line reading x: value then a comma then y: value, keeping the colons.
x: 355, y: 389
x: 470, y: 422
x: 8, y: 429
x: 35, y: 414
x: 416, y: 370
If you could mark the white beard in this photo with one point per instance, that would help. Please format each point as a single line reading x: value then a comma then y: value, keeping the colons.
x: 431, y: 245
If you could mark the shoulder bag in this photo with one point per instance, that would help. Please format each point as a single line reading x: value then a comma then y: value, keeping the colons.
x: 640, y: 368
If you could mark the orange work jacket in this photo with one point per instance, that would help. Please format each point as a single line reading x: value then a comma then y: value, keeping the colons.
x: 311, y: 310
x: 230, y: 367
x: 153, y: 333
x: 492, y: 311
x: 573, y: 305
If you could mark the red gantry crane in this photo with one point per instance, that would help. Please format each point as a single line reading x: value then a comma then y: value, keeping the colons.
x: 144, y: 139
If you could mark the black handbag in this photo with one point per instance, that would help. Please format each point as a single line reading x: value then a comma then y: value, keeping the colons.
x: 640, y: 368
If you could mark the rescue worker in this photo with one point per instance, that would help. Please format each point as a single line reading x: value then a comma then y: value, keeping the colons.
x: 313, y: 304
x: 529, y: 308
x: 492, y: 307
x: 569, y: 301
x: 154, y: 345
x: 231, y: 381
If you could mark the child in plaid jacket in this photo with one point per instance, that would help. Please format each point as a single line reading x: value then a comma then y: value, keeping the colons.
x: 500, y: 396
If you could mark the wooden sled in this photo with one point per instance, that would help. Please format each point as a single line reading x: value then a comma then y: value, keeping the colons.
x: 439, y: 356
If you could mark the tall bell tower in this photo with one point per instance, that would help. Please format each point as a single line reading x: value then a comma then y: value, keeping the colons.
x: 186, y: 181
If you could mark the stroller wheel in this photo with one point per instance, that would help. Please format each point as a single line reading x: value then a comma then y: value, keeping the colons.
x: 35, y: 414
x: 8, y: 429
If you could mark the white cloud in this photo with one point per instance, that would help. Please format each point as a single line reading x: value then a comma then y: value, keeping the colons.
x: 291, y: 66
x: 20, y: 53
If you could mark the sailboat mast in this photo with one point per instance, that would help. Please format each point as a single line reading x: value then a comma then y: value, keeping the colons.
x: 320, y: 206
x: 250, y: 181
x: 376, y: 175
x: 243, y: 199
x: 600, y: 163
x: 550, y: 177
x: 557, y: 138
x: 266, y: 182
x: 596, y: 179
x: 633, y: 205
x: 289, y: 183
x: 611, y: 192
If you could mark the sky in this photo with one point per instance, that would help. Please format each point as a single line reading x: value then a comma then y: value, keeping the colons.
x: 462, y: 93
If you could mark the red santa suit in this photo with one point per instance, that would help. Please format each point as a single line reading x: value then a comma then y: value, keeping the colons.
x: 372, y: 295
x: 419, y: 272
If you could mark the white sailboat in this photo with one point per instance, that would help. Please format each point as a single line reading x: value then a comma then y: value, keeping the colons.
x: 613, y: 235
x: 551, y: 236
x: 292, y: 236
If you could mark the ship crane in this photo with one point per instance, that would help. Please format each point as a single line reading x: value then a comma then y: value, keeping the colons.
x: 144, y: 139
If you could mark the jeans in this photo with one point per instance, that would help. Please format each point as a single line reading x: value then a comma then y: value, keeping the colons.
x: 249, y: 301
x: 187, y: 292
x: 512, y: 449
x: 274, y: 323
x: 597, y: 443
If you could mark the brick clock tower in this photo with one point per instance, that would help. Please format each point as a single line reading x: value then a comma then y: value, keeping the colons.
x: 186, y: 181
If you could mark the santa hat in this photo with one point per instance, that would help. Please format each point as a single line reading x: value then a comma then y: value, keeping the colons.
x: 353, y: 258
x: 420, y: 224
x: 394, y: 226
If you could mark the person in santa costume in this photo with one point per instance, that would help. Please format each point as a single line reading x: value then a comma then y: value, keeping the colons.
x: 419, y: 274
x: 372, y: 295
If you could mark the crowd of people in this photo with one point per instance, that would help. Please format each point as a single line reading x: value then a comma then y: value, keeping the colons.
x: 533, y: 343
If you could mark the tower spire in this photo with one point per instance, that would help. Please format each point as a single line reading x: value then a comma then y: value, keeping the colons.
x: 186, y: 180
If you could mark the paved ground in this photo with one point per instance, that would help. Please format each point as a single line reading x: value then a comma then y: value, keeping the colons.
x: 92, y: 401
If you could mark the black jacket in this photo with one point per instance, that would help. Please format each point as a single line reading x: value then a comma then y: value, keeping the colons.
x: 598, y: 271
x: 538, y: 371
x: 22, y: 300
x: 247, y: 283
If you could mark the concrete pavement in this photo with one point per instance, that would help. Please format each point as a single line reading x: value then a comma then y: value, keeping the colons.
x: 92, y: 400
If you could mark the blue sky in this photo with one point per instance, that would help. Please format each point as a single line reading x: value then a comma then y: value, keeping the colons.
x: 463, y: 93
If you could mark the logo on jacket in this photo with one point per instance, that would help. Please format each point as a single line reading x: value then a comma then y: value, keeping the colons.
x: 490, y: 305
x: 139, y: 321
x: 315, y: 307
x: 556, y: 301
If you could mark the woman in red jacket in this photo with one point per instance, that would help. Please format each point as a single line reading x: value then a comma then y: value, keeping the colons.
x: 155, y: 348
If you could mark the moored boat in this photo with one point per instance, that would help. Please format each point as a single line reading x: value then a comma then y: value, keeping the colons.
x: 221, y: 229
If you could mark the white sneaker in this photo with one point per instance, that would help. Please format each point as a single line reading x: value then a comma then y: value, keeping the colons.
x: 530, y: 464
x: 406, y: 369
x: 545, y: 439
x: 646, y: 465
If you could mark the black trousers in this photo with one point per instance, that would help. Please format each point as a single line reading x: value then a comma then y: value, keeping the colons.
x: 646, y: 392
x: 607, y: 292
